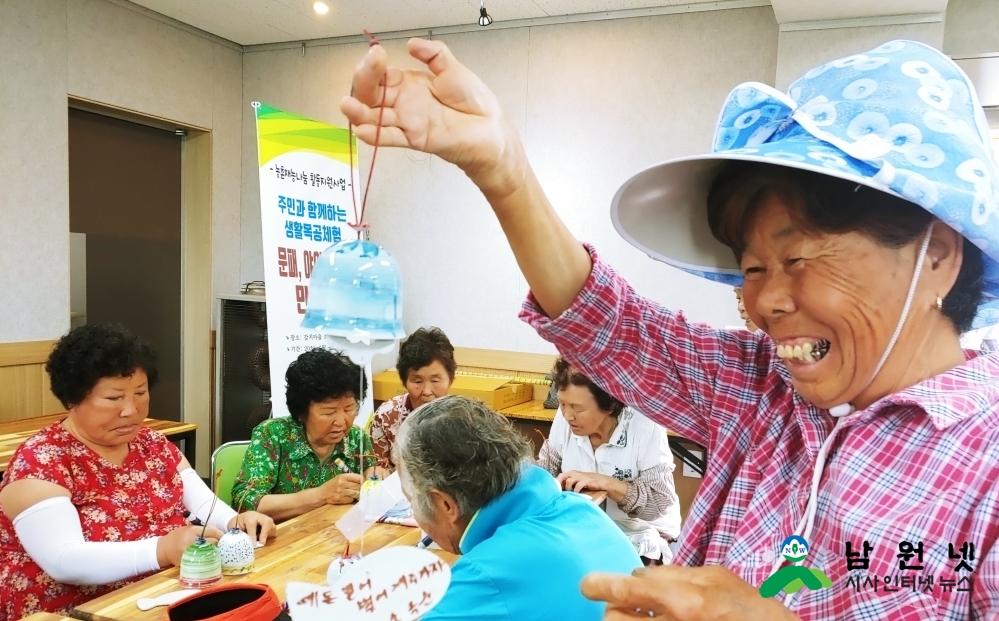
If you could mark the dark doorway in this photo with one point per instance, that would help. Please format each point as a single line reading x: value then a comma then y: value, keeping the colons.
x: 125, y: 198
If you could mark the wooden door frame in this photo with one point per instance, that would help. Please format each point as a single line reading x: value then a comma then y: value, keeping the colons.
x: 196, y: 267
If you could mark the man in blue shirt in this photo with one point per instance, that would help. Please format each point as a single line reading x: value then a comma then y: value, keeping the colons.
x: 525, y: 545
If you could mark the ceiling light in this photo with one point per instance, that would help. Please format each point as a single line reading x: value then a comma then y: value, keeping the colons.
x: 321, y: 8
x: 484, y: 19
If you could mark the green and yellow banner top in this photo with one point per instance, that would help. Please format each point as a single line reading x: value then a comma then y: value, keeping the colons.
x: 279, y: 132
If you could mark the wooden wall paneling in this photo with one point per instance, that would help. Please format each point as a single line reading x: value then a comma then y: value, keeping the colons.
x: 20, y: 392
x: 497, y: 359
x: 518, y: 364
x: 27, y: 352
x: 24, y: 385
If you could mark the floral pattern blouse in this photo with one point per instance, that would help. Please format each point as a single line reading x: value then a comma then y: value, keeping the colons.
x: 279, y: 460
x: 140, y: 499
x: 385, y: 426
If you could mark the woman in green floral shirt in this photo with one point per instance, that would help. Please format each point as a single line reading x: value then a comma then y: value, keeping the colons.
x: 316, y: 456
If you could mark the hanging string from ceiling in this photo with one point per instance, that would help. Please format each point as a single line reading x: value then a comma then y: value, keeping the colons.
x: 359, y: 225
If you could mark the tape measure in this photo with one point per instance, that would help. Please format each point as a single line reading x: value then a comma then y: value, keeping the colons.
x: 538, y: 381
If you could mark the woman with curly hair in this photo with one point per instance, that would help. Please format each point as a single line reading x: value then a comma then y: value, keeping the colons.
x: 316, y: 456
x: 426, y: 367
x: 98, y: 484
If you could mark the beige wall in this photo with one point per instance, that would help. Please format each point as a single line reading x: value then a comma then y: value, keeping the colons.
x: 595, y: 103
x: 96, y: 50
x: 799, y: 51
x: 971, y: 28
x: 34, y: 175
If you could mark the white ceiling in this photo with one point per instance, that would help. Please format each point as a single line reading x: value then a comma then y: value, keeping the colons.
x: 250, y: 22
x: 788, y: 11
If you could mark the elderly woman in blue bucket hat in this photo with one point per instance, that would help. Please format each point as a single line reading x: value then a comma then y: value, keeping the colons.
x: 857, y: 214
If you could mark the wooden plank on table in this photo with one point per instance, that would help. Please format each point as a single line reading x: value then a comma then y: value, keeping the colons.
x: 301, y: 552
x: 27, y: 352
x: 31, y: 426
x: 14, y: 433
x: 46, y: 616
x: 169, y: 427
x: 513, y: 409
x: 503, y: 360
x: 531, y: 410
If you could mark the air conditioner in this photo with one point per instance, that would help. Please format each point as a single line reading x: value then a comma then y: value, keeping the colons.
x: 242, y: 375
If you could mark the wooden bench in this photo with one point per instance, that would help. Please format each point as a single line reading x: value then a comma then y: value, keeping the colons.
x: 12, y: 434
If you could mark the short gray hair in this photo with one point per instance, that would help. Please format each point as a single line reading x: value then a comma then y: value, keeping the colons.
x: 459, y: 446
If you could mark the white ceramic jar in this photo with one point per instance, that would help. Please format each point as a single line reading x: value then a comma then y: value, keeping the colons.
x: 236, y: 550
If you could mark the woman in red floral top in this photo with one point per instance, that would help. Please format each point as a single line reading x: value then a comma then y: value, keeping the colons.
x: 99, y: 485
x: 426, y: 367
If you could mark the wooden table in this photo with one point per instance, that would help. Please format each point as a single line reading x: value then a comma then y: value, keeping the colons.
x: 46, y: 616
x: 301, y: 552
x: 529, y: 410
x: 14, y: 433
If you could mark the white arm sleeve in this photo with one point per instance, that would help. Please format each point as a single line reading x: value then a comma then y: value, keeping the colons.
x: 198, y: 500
x: 51, y: 534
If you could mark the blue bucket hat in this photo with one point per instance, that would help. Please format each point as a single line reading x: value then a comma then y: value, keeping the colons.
x: 902, y: 118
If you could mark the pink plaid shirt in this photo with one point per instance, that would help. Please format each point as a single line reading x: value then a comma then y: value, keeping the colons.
x: 920, y: 466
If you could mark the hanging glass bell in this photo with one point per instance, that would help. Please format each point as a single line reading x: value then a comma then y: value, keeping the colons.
x: 355, y: 293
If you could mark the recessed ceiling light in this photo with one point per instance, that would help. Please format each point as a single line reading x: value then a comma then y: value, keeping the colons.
x: 321, y: 8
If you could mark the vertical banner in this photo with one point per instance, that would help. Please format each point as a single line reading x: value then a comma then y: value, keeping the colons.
x: 305, y: 185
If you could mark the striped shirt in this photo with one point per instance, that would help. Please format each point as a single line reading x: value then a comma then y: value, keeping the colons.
x: 916, y: 471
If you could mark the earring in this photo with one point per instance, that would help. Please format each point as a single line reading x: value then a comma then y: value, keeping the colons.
x: 939, y: 303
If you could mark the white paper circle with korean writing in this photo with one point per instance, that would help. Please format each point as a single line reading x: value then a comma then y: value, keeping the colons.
x: 391, y: 584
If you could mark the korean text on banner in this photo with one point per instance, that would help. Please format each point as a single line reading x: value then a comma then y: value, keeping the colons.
x: 305, y: 185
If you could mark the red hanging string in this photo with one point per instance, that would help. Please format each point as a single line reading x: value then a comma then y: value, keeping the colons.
x: 359, y: 224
